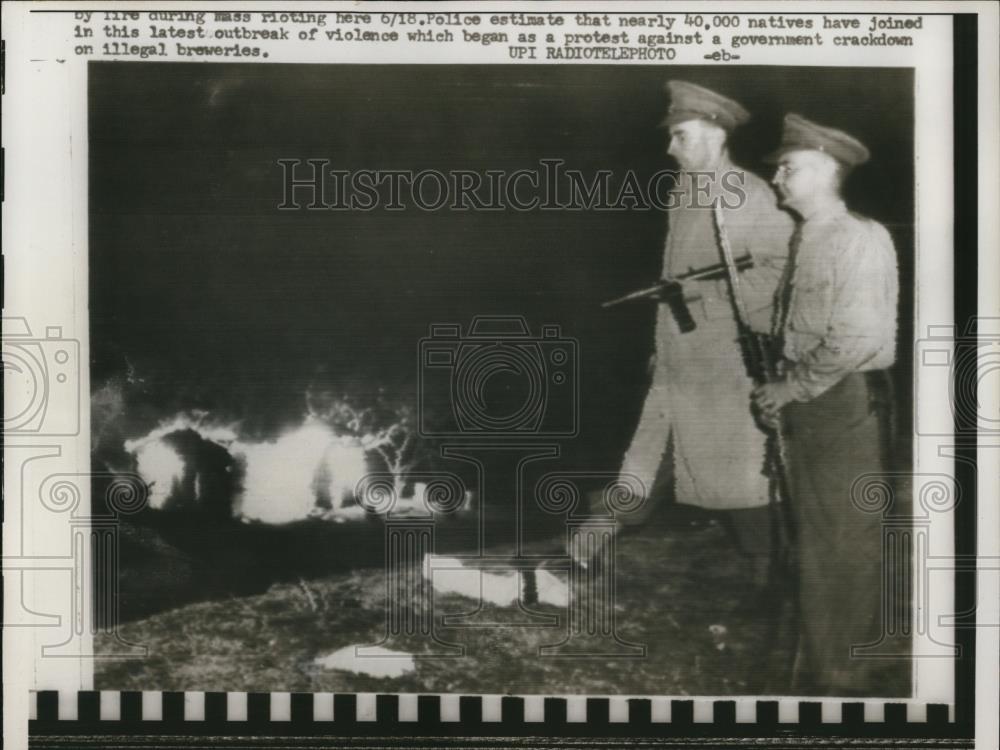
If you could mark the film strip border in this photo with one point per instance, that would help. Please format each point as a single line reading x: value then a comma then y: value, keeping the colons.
x: 355, y: 710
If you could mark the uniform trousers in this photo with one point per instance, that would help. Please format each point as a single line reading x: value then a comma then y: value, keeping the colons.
x: 830, y: 443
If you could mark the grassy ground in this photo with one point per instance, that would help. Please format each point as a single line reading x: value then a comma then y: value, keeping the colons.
x: 682, y: 592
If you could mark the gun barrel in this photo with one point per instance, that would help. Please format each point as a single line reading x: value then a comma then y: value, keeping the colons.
x: 650, y: 291
x: 718, y: 269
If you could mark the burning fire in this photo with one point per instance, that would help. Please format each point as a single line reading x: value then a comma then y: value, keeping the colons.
x: 160, y: 462
x: 300, y: 472
x: 311, y: 470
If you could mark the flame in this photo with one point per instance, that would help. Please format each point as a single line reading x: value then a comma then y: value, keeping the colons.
x: 160, y: 465
x: 286, y: 478
x: 161, y: 468
x: 344, y: 467
x: 311, y: 470
x: 224, y: 435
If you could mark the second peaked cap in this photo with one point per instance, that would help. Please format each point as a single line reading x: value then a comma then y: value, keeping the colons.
x: 800, y: 134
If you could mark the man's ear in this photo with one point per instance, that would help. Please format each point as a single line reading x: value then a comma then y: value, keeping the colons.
x: 715, y: 135
x: 832, y: 169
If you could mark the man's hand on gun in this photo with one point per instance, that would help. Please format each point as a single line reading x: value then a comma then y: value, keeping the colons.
x: 769, y: 399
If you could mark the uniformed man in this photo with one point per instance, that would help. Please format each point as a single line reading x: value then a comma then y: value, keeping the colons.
x: 698, y: 398
x: 838, y: 325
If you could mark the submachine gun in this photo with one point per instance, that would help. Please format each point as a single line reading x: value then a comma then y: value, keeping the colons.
x: 671, y: 292
x: 759, y: 351
x: 761, y: 356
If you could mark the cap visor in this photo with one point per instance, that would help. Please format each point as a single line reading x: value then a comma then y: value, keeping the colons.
x: 679, y: 116
x: 775, y: 156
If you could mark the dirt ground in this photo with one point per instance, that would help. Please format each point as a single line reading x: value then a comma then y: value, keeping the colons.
x: 683, y: 592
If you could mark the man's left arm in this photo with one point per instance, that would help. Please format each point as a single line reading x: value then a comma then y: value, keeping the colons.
x: 862, y: 318
x: 861, y: 325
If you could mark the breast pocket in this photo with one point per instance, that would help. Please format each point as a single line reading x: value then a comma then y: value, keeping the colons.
x: 811, y: 306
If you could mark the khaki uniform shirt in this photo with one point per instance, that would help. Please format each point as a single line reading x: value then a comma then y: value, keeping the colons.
x: 841, y: 303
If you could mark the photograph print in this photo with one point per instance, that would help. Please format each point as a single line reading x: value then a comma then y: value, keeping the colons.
x: 534, y: 379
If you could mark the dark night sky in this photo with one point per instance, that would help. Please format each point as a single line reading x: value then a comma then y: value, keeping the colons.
x: 197, y: 277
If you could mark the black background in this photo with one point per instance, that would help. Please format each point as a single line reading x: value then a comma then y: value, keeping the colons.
x: 216, y: 295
